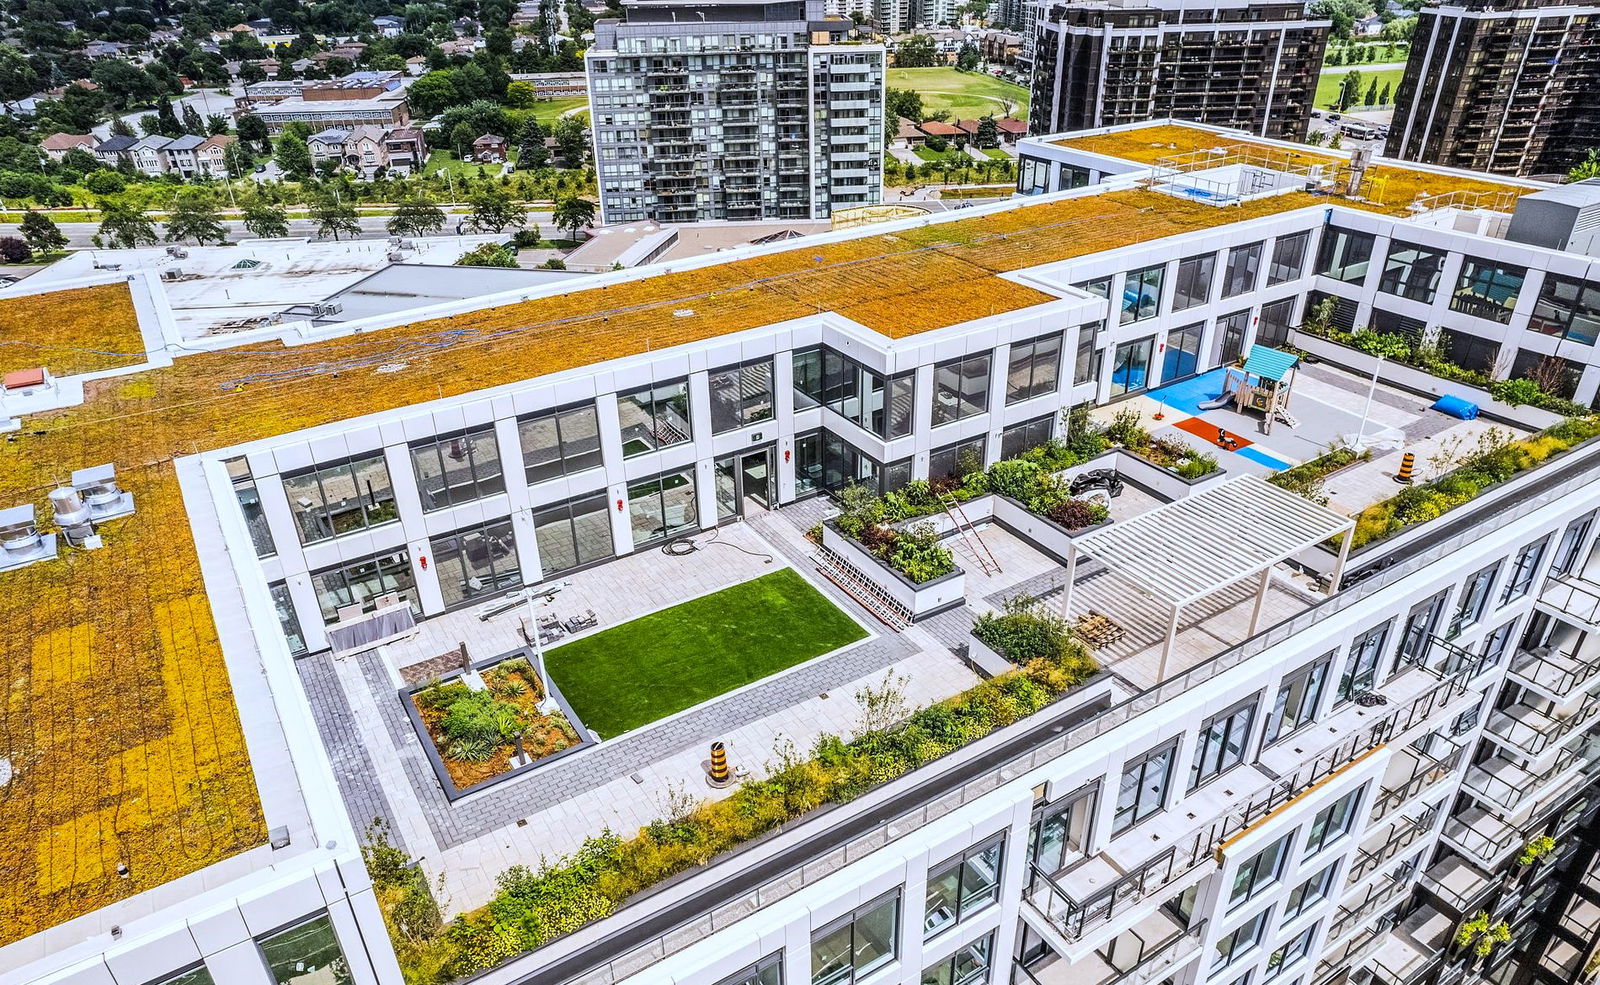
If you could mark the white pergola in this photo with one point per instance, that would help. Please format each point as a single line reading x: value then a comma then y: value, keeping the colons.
x: 1185, y: 550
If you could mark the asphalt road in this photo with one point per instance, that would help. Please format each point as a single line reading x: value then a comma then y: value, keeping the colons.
x: 372, y: 227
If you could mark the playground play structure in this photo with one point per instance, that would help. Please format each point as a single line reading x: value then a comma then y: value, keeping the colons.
x: 1263, y: 384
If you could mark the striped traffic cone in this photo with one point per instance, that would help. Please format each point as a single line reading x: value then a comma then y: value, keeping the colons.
x: 1408, y: 464
x: 719, y: 775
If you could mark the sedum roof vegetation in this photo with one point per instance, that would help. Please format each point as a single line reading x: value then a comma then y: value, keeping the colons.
x: 95, y: 325
x: 119, y: 719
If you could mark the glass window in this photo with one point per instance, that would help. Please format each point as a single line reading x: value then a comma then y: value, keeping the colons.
x: 1244, y: 267
x: 1469, y: 351
x: 767, y: 971
x: 1232, y: 945
x: 1060, y: 835
x: 1231, y: 330
x: 808, y: 378
x: 560, y: 442
x: 960, y: 388
x: 1497, y: 642
x: 244, y: 489
x: 740, y: 395
x: 808, y: 463
x: 364, y: 583
x: 654, y: 417
x: 1141, y: 294
x: 1298, y: 698
x: 1411, y: 272
x: 1020, y: 437
x: 1417, y: 636
x: 1100, y: 287
x: 1033, y: 176
x: 479, y: 560
x: 1522, y: 571
x: 288, y: 621
x: 1568, y: 309
x: 1332, y: 822
x: 1182, y: 357
x: 1571, y: 546
x: 1033, y: 369
x: 1556, y: 374
x: 662, y: 507
x: 968, y: 966
x: 1086, y: 363
x: 1275, y: 322
x: 1259, y: 872
x: 1130, y: 370
x: 1288, y: 257
x: 1487, y: 289
x: 1288, y: 954
x: 1192, y: 286
x: 957, y: 460
x: 1222, y: 741
x: 1474, y: 599
x: 458, y: 468
x: 1361, y: 665
x: 341, y: 498
x: 307, y: 954
x: 1144, y: 787
x: 857, y: 944
x: 573, y: 533
x: 963, y: 885
x: 825, y: 378
x: 1309, y: 893
x: 1345, y: 255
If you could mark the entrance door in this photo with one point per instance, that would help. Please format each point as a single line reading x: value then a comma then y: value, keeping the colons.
x: 755, y: 478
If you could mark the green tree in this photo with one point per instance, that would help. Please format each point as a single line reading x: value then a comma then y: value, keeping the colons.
x: 1372, y: 93
x: 967, y: 57
x: 253, y: 129
x: 41, y: 233
x: 904, y: 102
x: 917, y: 51
x: 333, y: 216
x: 1587, y: 168
x: 194, y: 215
x: 166, y: 120
x: 1400, y: 29
x: 1385, y: 98
x: 293, y: 156
x: 572, y: 140
x: 266, y: 220
x: 18, y: 80
x: 487, y: 255
x: 433, y: 93
x: 988, y: 132
x: 461, y: 138
x: 217, y: 124
x: 494, y: 210
x: 573, y: 213
x: 1349, y: 90
x: 193, y: 122
x: 125, y: 225
x: 416, y: 216
x: 237, y: 159
x: 521, y: 95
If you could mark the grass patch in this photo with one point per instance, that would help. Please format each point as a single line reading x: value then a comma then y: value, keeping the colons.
x: 662, y: 663
x: 547, y: 111
x: 447, y: 161
x: 967, y: 95
x: 1328, y: 84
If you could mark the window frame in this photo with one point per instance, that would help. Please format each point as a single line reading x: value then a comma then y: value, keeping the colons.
x: 542, y: 515
x: 1570, y: 547
x: 893, y: 897
x: 1299, y: 242
x: 1498, y: 277
x: 1252, y: 876
x: 1524, y: 571
x: 1233, y: 729
x: 1281, y: 957
x: 1472, y: 601
x: 1126, y: 819
x: 476, y: 487
x: 659, y: 395
x: 756, y: 973
x: 1317, y: 840
x: 320, y: 472
x: 1242, y: 272
x: 1151, y: 281
x: 1361, y: 649
x: 965, y: 388
x: 691, y: 522
x: 1310, y: 697
x: 1186, y: 281
x: 565, y: 463
x: 959, y: 862
x: 1033, y: 364
x: 1398, y: 275
x: 1257, y: 926
x: 1029, y: 429
x: 1339, y: 254
x: 1311, y: 891
x: 1584, y: 306
x: 398, y: 559
x: 262, y: 943
x: 441, y: 547
x: 980, y: 951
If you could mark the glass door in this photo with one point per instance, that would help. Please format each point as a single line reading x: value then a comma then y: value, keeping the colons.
x: 1182, y: 358
x: 755, y: 478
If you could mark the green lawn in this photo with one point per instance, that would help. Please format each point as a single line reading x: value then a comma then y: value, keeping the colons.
x: 662, y: 663
x: 548, y: 110
x: 967, y: 95
x: 443, y: 159
x: 934, y: 156
x: 1328, y: 84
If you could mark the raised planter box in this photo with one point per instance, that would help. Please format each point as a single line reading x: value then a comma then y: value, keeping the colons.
x: 1420, y: 381
x: 923, y: 600
x: 986, y: 660
x: 1042, y: 532
x: 1163, y: 481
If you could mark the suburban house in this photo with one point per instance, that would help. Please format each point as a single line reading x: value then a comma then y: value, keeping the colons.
x: 147, y: 154
x: 909, y: 132
x: 1008, y: 130
x: 933, y: 128
x: 329, y: 144
x: 405, y: 148
x: 364, y: 149
x: 388, y: 27
x: 489, y: 148
x: 56, y: 145
x: 179, y: 155
x: 211, y: 156
x: 114, y: 149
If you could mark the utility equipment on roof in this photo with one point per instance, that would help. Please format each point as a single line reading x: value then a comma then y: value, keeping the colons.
x: 20, y: 540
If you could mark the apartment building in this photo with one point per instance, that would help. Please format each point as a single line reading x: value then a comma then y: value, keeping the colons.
x: 739, y: 111
x: 1247, y: 65
x: 1298, y: 765
x: 1506, y: 87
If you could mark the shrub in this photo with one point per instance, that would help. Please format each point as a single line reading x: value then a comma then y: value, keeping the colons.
x: 1536, y: 849
x: 14, y: 250
x: 859, y: 508
x: 1015, y: 478
x: 1126, y: 430
x: 1516, y: 392
x: 1387, y: 344
x: 1024, y: 630
x: 1075, y: 514
x: 918, y: 554
x: 480, y: 717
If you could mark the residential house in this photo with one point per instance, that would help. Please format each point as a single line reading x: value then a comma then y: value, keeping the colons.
x: 327, y: 145
x: 490, y: 148
x: 463, y: 46
x: 1008, y: 130
x: 212, y: 155
x: 416, y: 66
x: 146, y: 154
x: 388, y: 27
x: 179, y: 156
x: 115, y: 149
x: 405, y: 148
x: 933, y: 128
x: 910, y: 134
x: 1367, y: 27
x: 56, y: 145
x: 97, y: 51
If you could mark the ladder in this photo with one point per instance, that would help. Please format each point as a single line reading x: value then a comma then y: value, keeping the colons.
x: 974, y: 544
x: 892, y: 612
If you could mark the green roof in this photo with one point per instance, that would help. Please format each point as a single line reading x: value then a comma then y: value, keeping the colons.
x: 1269, y: 363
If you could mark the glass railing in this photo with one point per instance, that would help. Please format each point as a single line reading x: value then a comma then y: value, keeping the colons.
x: 1512, y: 785
x: 1484, y: 838
x: 1378, y: 897
x: 1428, y: 771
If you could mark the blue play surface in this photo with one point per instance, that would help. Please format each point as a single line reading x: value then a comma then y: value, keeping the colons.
x: 1261, y: 458
x: 1187, y: 395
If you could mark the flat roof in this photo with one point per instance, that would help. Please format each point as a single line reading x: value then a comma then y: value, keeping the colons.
x: 403, y: 286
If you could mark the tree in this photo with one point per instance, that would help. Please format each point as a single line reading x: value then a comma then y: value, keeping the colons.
x: 125, y: 225
x: 333, y: 215
x: 120, y: 128
x: 1587, y: 168
x: 461, y: 138
x: 166, y: 120
x: 416, y: 216
x: 572, y: 140
x: 988, y: 132
x: 266, y: 220
x: 1372, y: 93
x: 1349, y: 90
x: 1385, y: 97
x: 194, y: 216
x: 521, y: 95
x: 433, y: 93
x: 916, y: 51
x: 293, y: 156
x: 237, y: 159
x: 41, y: 233
x: 250, y: 72
x: 14, y: 250
x: 125, y: 82
x: 253, y: 129
x: 18, y: 80
x: 967, y: 58
x: 487, y: 255
x: 193, y: 122
x: 904, y: 102
x: 1400, y: 29
x: 573, y: 213
x: 494, y: 210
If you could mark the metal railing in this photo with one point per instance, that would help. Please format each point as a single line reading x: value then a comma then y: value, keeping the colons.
x: 1518, y: 784
x: 1378, y: 897
x: 1533, y: 739
x: 1561, y: 673
x: 1485, y: 838
x: 1572, y: 596
x: 1402, y: 835
x: 1429, y: 771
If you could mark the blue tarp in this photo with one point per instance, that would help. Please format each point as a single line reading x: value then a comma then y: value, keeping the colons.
x: 1466, y: 410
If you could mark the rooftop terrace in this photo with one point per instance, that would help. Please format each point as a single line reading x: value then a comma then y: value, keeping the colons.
x: 121, y: 727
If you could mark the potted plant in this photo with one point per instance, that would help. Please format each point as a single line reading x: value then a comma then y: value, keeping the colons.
x: 1482, y: 936
x: 1535, y: 850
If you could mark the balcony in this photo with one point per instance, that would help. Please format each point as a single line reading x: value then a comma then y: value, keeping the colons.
x: 1372, y: 902
x: 1155, y: 948
x: 1572, y: 598
x: 1413, y: 948
x: 1513, y: 786
x: 1482, y: 838
x: 1413, y: 773
x: 1458, y: 884
x: 1387, y: 844
x: 1537, y: 734
x: 1555, y: 674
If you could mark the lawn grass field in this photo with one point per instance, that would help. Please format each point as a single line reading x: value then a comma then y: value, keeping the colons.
x: 1328, y: 83
x: 445, y: 160
x: 660, y: 664
x: 967, y: 95
x: 549, y: 110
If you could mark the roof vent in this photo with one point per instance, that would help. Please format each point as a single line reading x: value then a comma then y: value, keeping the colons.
x: 98, y: 488
x: 72, y: 516
x: 20, y: 540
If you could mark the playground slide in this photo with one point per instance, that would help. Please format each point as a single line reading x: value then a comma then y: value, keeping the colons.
x: 1218, y: 402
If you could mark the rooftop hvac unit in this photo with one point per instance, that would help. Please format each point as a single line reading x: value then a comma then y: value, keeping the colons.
x: 322, y: 309
x: 72, y: 516
x: 177, y: 251
x: 100, y: 493
x: 173, y: 274
x: 20, y: 540
x: 395, y: 256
